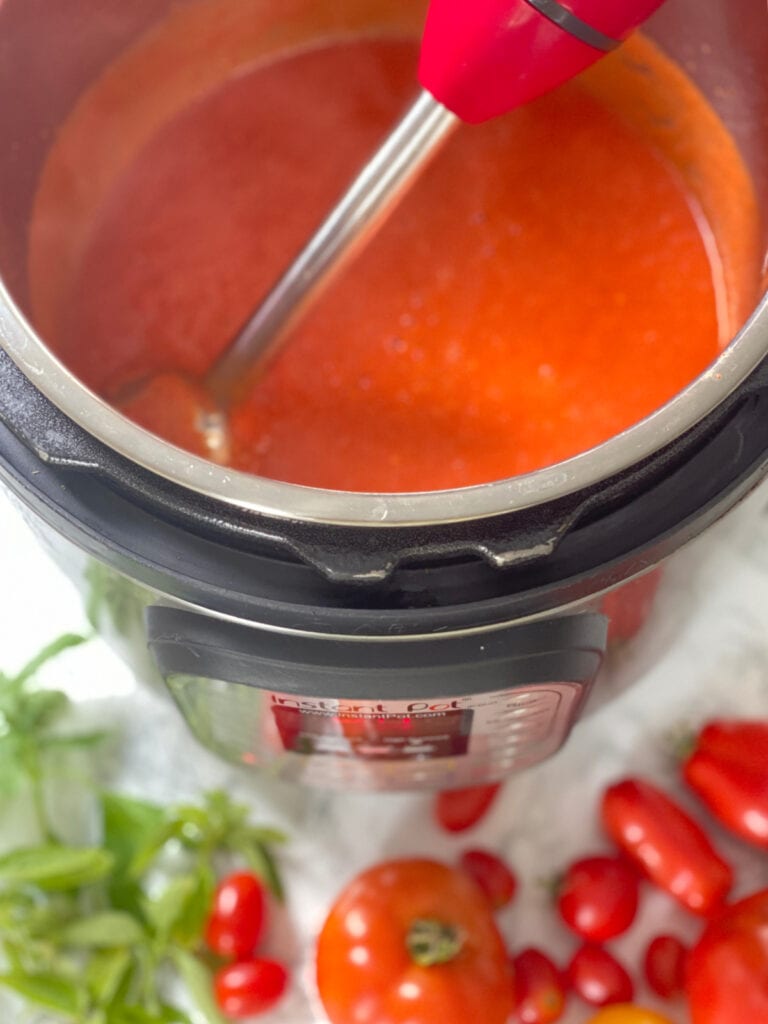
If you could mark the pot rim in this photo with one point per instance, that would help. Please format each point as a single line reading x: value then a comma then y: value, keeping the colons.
x: 295, y: 502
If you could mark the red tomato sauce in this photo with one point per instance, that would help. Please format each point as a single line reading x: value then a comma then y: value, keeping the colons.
x: 549, y: 282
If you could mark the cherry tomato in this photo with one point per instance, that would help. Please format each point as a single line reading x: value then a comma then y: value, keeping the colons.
x: 415, y: 941
x: 629, y: 606
x: 666, y: 844
x: 598, y: 977
x: 460, y: 809
x: 664, y: 965
x: 237, y: 919
x: 249, y: 987
x: 728, y: 771
x: 598, y: 897
x: 727, y: 970
x: 492, y: 875
x: 538, y: 987
x: 627, y: 1014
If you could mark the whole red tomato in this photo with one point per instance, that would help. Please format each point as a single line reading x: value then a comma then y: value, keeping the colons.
x: 250, y: 987
x: 727, y: 971
x: 539, y: 988
x: 597, y: 897
x: 667, y: 844
x: 598, y: 977
x: 459, y: 809
x: 664, y: 963
x: 728, y: 771
x: 237, y: 918
x: 413, y: 941
x: 493, y: 876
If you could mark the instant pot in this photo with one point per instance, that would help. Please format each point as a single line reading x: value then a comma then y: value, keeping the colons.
x: 362, y: 640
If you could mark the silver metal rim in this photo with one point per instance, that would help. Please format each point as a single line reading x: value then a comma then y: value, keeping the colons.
x: 292, y: 502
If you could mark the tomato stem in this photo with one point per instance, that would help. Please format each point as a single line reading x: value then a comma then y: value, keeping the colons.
x: 683, y: 743
x: 433, y: 942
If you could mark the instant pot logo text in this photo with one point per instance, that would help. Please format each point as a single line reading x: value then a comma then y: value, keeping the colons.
x: 336, y: 707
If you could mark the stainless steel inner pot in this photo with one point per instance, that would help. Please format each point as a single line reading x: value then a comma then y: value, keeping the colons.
x: 49, y: 53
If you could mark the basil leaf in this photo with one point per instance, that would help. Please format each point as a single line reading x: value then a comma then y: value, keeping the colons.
x: 224, y: 814
x: 189, y: 927
x: 12, y: 771
x: 83, y: 740
x: 50, y: 651
x: 106, y: 973
x: 42, y: 919
x: 138, y: 1015
x: 266, y: 835
x: 56, y: 867
x: 15, y: 956
x: 165, y: 912
x: 128, y: 823
x: 39, y: 710
x: 199, y: 982
x: 261, y: 862
x: 102, y: 931
x: 153, y: 844
x: 48, y: 990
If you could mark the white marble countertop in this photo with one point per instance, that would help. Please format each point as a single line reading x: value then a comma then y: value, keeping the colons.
x: 545, y: 817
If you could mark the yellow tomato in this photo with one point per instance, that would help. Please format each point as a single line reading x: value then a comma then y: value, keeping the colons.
x: 626, y: 1014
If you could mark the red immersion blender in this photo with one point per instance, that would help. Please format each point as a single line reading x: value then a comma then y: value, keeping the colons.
x: 479, y: 59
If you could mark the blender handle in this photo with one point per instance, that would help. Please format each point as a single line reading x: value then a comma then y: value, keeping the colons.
x: 484, y: 57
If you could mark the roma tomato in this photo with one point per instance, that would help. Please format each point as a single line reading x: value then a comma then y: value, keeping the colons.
x: 666, y: 844
x: 727, y: 971
x: 415, y: 941
x: 492, y: 875
x: 728, y: 771
x: 597, y: 897
x: 742, y: 740
x: 627, y: 1014
x: 540, y: 995
x: 250, y: 987
x: 598, y: 977
x: 237, y: 919
x: 664, y: 965
x: 459, y: 809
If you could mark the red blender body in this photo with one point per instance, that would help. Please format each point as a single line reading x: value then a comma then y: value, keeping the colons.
x: 483, y: 59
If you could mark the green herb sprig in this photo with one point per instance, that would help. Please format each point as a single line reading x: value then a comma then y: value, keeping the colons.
x: 83, y: 934
x: 29, y: 716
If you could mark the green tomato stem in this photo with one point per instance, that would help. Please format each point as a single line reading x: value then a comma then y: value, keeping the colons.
x: 431, y: 942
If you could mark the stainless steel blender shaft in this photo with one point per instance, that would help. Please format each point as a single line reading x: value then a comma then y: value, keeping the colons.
x: 378, y: 187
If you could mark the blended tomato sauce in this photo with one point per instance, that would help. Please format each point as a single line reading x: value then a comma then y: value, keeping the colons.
x: 551, y: 279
